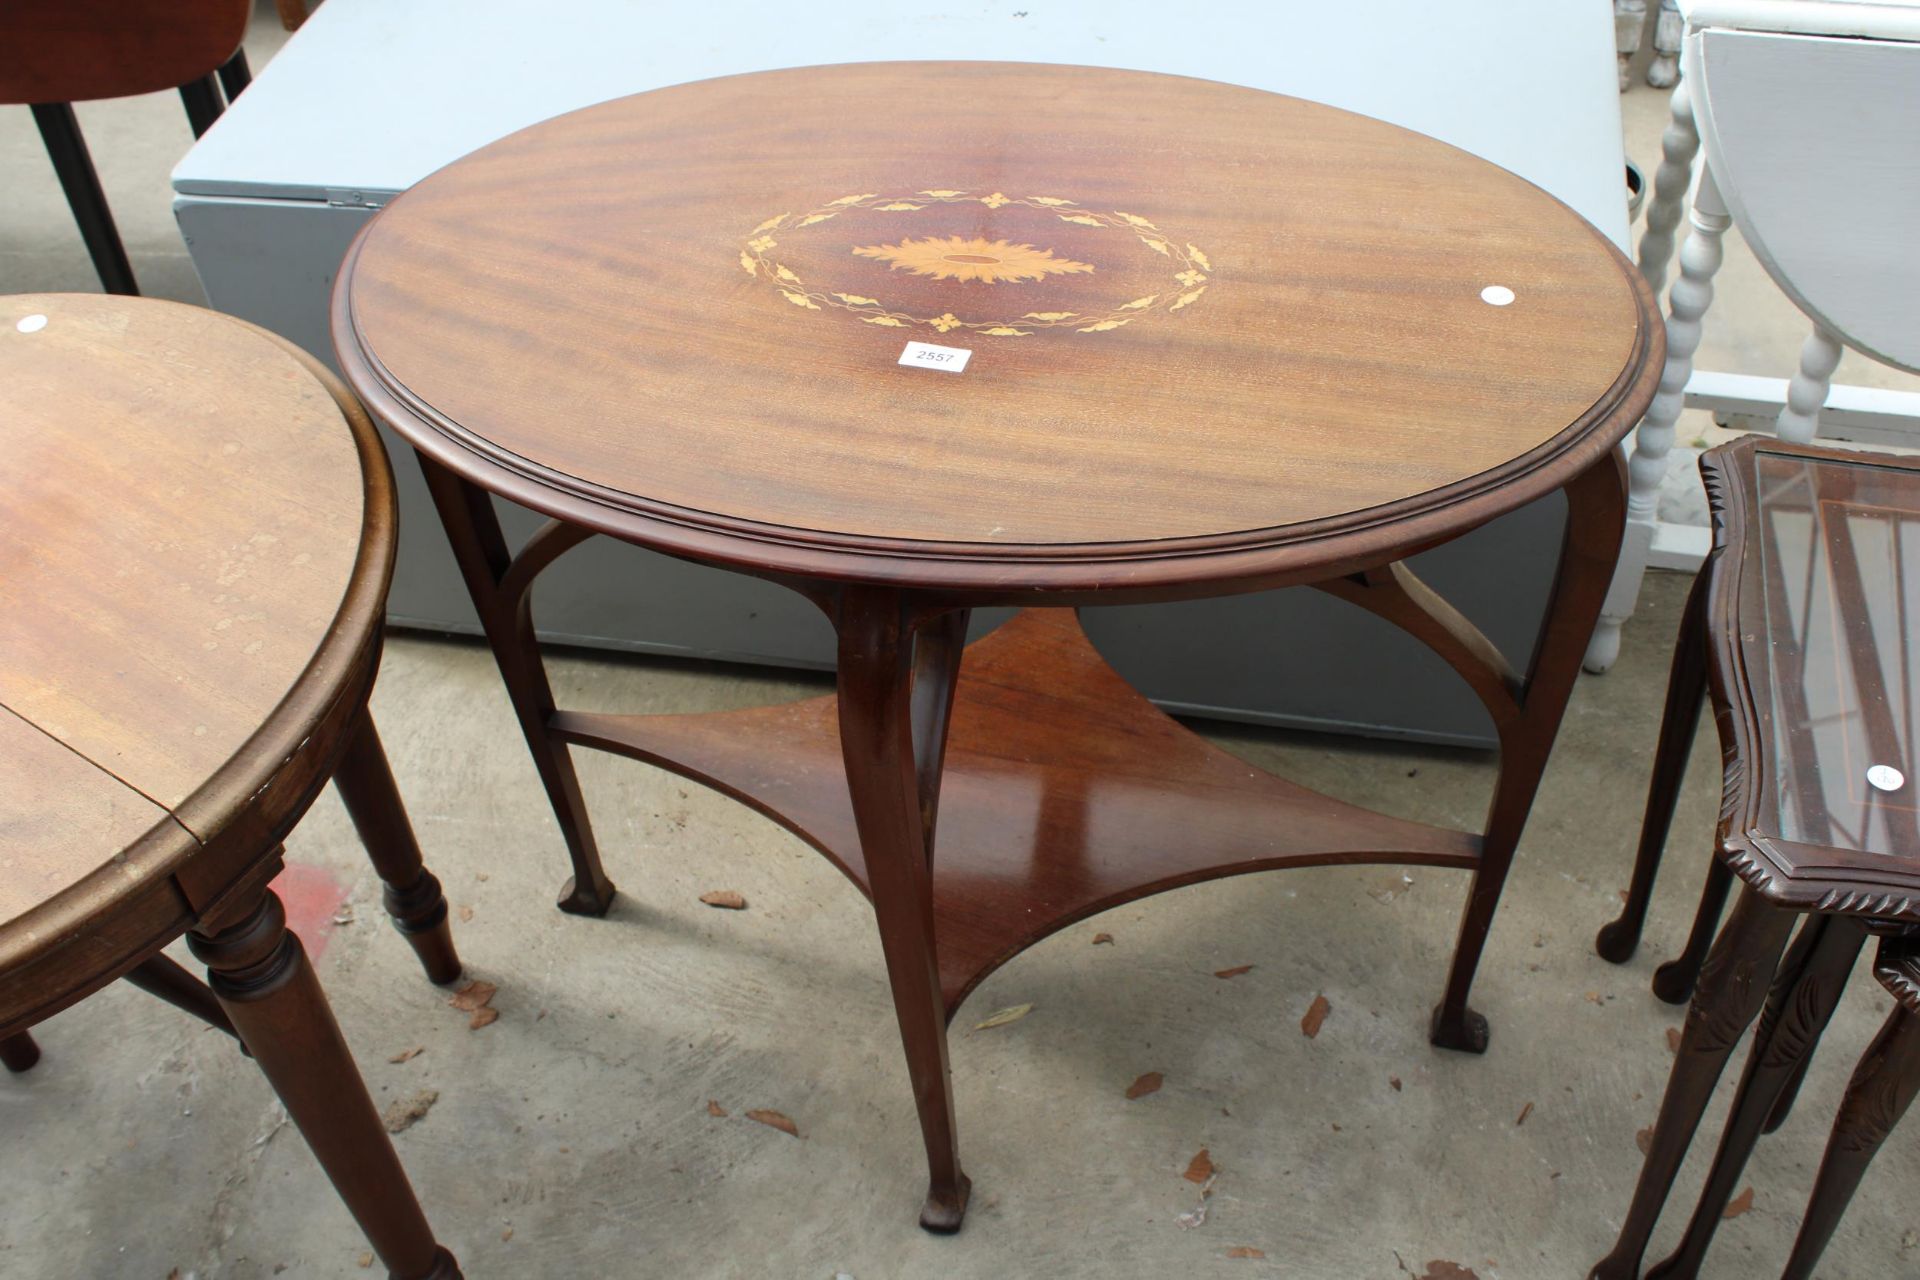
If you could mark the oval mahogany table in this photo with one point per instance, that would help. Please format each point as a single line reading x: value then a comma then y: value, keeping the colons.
x: 193, y: 568
x: 1220, y: 341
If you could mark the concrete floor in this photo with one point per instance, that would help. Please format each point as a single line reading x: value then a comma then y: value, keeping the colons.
x: 572, y: 1137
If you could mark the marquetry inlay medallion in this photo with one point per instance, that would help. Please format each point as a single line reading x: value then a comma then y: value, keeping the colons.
x: 993, y: 264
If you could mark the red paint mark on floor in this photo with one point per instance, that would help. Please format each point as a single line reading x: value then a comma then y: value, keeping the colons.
x: 313, y: 896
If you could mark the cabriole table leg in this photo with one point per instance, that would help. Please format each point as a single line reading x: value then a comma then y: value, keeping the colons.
x: 412, y: 894
x: 1802, y: 1001
x: 877, y: 670
x: 1877, y: 1097
x: 18, y: 1052
x: 1733, y: 987
x: 466, y: 513
x: 1596, y: 515
x: 260, y: 973
x: 1686, y: 690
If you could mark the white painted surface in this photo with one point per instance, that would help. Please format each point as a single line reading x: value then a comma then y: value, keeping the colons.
x: 1876, y: 19
x: 1816, y: 143
x: 370, y: 96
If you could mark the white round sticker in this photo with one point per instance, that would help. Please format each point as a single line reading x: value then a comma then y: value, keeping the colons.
x: 1496, y: 295
x: 32, y: 324
x: 1884, y: 777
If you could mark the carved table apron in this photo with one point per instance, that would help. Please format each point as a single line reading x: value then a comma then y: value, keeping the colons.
x: 1215, y: 340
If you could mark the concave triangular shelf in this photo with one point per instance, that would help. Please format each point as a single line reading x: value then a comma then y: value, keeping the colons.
x: 1066, y: 792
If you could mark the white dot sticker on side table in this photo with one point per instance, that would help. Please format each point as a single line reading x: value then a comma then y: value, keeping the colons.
x: 1496, y: 295
x: 1884, y: 777
x: 31, y: 324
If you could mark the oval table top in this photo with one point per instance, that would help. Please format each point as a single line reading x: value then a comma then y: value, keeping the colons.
x: 194, y: 542
x: 1213, y: 330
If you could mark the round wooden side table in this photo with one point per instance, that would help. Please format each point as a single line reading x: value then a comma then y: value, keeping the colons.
x: 915, y: 338
x: 199, y: 533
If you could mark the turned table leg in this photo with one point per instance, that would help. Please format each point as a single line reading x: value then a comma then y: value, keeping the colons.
x: 1733, y: 987
x: 506, y: 615
x: 412, y: 895
x: 1882, y: 1088
x: 260, y: 973
x: 1596, y: 512
x: 1686, y: 689
x: 1678, y: 146
x: 18, y: 1052
x: 877, y: 667
x: 1803, y: 1000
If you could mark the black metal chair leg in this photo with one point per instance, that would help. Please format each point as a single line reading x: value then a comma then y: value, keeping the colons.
x: 235, y: 75
x: 60, y: 130
x: 204, y: 105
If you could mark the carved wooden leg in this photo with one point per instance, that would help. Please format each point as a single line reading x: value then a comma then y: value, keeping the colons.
x: 1686, y: 689
x: 1686, y: 306
x: 1882, y: 1088
x: 876, y: 679
x: 1673, y: 981
x: 412, y: 894
x: 1678, y: 146
x: 1799, y: 418
x: 1733, y: 986
x: 159, y: 976
x: 1804, y: 1002
x: 18, y: 1052
x: 261, y: 975
x: 466, y: 512
x: 1595, y: 513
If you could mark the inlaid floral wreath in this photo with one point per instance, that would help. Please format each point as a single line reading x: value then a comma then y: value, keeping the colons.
x: 990, y: 262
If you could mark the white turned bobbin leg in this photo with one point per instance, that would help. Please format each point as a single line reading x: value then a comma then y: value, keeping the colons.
x: 1687, y: 304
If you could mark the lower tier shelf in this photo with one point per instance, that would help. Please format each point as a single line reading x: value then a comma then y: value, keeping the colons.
x: 1066, y: 793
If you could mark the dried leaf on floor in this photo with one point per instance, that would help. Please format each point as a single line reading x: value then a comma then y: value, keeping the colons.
x: 1246, y: 1251
x: 1234, y: 972
x: 1524, y: 1113
x: 405, y: 1113
x: 1001, y: 1017
x: 1739, y: 1204
x: 1200, y: 1168
x: 1673, y: 1039
x: 1146, y: 1084
x: 408, y: 1055
x: 344, y: 915
x: 366, y: 1262
x: 715, y: 1110
x: 466, y: 914
x: 1102, y: 938
x: 476, y: 994
x: 484, y: 1017
x: 1439, y: 1270
x: 726, y: 899
x: 1644, y: 1139
x: 1316, y: 1015
x: 775, y: 1120
x: 1395, y: 1082
x: 506, y: 1235
x: 1593, y: 997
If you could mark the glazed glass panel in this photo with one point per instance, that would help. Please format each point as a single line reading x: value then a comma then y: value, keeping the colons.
x: 1839, y: 550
